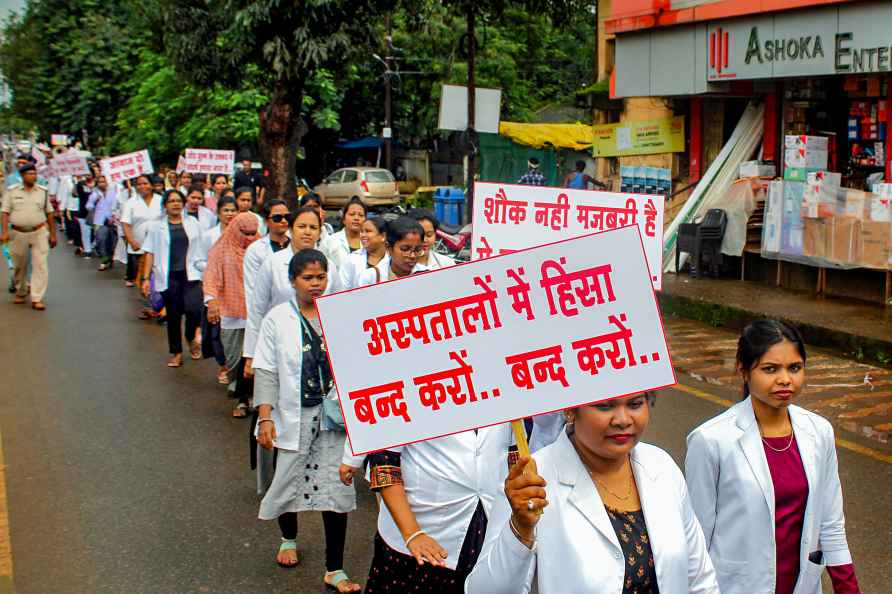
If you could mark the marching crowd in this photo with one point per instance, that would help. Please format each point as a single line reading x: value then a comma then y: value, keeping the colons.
x: 234, y: 274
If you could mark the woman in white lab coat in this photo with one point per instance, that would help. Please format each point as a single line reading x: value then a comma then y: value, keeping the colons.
x: 374, y: 249
x: 172, y: 251
x: 618, y: 517
x: 764, y: 481
x: 428, y: 221
x: 272, y: 285
x: 405, y: 245
x: 292, y: 381
x: 340, y: 245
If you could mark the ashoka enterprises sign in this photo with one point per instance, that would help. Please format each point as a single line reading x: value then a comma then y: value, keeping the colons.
x: 837, y: 40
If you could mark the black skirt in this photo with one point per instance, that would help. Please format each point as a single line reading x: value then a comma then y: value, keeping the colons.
x: 393, y: 572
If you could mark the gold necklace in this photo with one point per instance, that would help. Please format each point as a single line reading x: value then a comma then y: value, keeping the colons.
x: 601, y: 483
x: 768, y: 445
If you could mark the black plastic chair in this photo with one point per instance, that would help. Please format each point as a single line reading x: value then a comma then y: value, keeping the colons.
x: 703, y: 241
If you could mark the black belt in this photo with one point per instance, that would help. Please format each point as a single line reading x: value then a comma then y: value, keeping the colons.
x: 28, y: 229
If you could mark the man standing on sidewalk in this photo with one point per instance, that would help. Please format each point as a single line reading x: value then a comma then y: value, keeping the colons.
x: 27, y: 209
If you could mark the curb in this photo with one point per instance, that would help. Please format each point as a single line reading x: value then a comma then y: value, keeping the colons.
x: 863, y: 349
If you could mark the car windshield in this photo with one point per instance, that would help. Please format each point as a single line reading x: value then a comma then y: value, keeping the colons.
x: 382, y: 176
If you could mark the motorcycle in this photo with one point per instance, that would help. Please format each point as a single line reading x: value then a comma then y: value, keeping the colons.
x: 454, y: 241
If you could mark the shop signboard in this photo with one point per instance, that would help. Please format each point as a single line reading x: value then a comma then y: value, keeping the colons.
x: 848, y: 39
x: 644, y: 137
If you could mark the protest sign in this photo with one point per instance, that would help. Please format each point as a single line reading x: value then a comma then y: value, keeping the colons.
x: 70, y: 164
x: 181, y: 164
x: 128, y: 166
x: 509, y: 217
x: 495, y: 340
x: 210, y: 161
x: 59, y: 139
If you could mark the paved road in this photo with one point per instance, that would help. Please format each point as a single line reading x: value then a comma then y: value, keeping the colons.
x: 126, y: 477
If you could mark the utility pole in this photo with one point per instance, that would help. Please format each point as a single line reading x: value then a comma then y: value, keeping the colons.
x: 472, y: 106
x: 388, y: 100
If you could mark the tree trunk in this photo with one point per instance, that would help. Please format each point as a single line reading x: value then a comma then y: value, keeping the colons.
x: 281, y: 129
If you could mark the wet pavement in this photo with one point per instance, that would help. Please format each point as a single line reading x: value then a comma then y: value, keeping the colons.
x: 123, y: 476
x: 856, y: 327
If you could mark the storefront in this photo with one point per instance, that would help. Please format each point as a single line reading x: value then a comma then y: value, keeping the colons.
x: 823, y: 73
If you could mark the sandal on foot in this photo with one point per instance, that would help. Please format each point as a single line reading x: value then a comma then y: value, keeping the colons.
x: 240, y: 411
x: 288, y: 545
x: 195, y: 350
x: 175, y: 361
x: 337, y: 578
x: 223, y: 376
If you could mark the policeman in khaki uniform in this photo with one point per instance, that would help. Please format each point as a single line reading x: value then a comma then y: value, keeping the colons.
x: 27, y: 209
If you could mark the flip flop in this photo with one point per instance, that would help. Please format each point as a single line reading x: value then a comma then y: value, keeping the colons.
x: 289, y: 545
x: 337, y: 577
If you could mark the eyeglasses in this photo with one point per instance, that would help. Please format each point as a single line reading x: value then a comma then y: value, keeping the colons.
x: 408, y: 250
x: 278, y: 218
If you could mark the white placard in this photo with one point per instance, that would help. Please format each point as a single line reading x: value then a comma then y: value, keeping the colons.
x: 454, y: 109
x: 122, y: 167
x: 623, y: 139
x: 70, y: 164
x: 59, y: 139
x: 209, y: 161
x: 509, y: 217
x: 495, y: 340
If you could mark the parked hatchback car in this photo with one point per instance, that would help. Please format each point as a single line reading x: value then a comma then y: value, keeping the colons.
x: 374, y: 186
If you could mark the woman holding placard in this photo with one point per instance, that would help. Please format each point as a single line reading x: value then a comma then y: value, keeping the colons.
x: 764, y: 480
x: 292, y: 383
x: 618, y: 517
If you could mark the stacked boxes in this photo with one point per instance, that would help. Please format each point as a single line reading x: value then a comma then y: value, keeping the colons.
x: 645, y: 180
x: 804, y: 154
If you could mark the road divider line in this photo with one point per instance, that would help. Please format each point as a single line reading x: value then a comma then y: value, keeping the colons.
x: 840, y: 442
x: 5, y: 541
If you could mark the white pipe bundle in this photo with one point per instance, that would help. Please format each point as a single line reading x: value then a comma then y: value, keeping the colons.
x: 741, y: 146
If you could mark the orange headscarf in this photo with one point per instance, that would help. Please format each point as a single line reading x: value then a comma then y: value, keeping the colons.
x: 224, y: 276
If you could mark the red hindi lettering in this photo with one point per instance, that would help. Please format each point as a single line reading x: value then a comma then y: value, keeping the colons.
x: 589, y: 290
x: 484, y: 250
x: 591, y: 357
x: 433, y: 388
x: 550, y: 368
x: 558, y: 213
x: 520, y: 293
x: 389, y: 403
x: 650, y: 214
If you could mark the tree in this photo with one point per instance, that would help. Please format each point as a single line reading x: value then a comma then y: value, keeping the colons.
x: 285, y: 43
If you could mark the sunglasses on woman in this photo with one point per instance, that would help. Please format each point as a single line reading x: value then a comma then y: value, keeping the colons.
x: 278, y: 218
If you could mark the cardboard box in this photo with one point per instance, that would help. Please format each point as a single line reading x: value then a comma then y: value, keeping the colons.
x: 799, y: 158
x: 876, y: 244
x: 826, y: 177
x: 856, y: 204
x: 816, y: 238
x: 880, y: 209
x: 791, y: 219
x: 845, y: 240
x: 797, y: 174
x: 820, y: 143
x: 757, y: 169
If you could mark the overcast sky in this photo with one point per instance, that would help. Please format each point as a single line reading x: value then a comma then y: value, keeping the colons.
x: 7, y: 5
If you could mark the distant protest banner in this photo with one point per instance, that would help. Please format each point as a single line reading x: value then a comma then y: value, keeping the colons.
x: 69, y: 164
x: 496, y: 340
x: 509, y: 217
x: 181, y: 164
x: 210, y: 161
x: 128, y: 166
x: 59, y: 139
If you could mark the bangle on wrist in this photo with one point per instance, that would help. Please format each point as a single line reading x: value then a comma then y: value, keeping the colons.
x: 413, y: 536
x: 267, y: 420
x: 527, y: 542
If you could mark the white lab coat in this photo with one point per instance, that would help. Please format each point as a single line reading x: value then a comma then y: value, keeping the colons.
x: 733, y: 495
x: 352, y: 267
x: 255, y: 256
x: 577, y: 551
x: 272, y: 287
x: 369, y: 276
x: 158, y: 244
x: 444, y: 479
x: 141, y: 217
x: 206, y: 217
x: 437, y: 261
x: 336, y: 247
x: 208, y: 238
x: 279, y: 350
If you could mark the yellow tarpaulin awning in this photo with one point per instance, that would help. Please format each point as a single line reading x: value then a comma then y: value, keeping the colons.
x: 569, y: 136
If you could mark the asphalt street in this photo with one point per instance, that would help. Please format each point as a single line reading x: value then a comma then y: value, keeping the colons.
x: 124, y: 476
